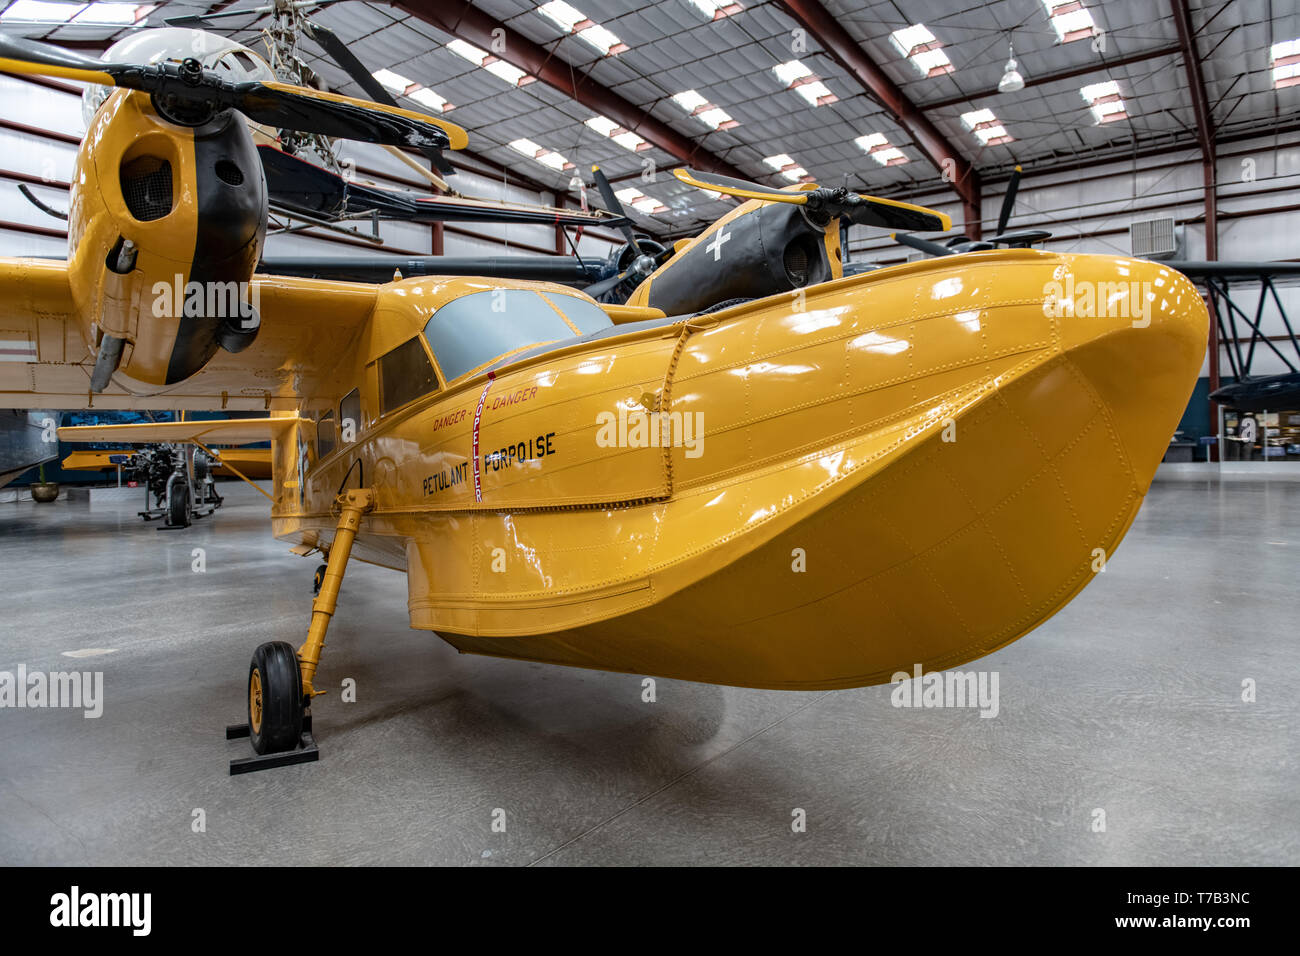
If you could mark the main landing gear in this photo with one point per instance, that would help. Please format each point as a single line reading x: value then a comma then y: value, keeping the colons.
x: 279, y: 680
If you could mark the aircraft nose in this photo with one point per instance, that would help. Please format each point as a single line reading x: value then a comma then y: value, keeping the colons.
x: 1137, y: 331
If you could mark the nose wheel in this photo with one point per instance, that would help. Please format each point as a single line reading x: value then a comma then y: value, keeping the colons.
x: 280, y: 679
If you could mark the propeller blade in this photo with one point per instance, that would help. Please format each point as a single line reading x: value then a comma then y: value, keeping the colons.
x: 612, y: 205
x: 1024, y: 238
x: 185, y: 92
x: 923, y: 245
x: 891, y: 214
x: 864, y: 210
x: 597, y: 289
x: 339, y: 52
x: 736, y: 187
x: 29, y: 57
x: 343, y: 117
x: 1009, y: 200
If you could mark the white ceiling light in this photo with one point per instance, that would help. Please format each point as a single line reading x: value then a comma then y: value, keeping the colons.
x: 704, y: 111
x: 1105, y: 100
x: 547, y: 157
x: 1012, y: 81
x: 1070, y: 19
x: 1285, y: 61
x: 571, y: 20
x: 396, y: 83
x: 796, y: 76
x: 498, y: 67
x: 625, y: 138
x: 986, y: 127
x: 97, y: 14
x: 716, y: 9
x: 880, y: 149
x: 640, y: 202
x: 787, y: 167
x: 922, y: 50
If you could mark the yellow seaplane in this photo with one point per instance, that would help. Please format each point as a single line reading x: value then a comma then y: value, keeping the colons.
x: 758, y: 471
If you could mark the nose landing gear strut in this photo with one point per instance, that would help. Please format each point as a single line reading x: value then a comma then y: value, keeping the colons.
x: 280, y: 685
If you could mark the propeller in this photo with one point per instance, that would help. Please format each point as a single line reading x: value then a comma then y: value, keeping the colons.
x: 957, y: 244
x: 644, y: 261
x: 186, y: 94
x: 825, y: 203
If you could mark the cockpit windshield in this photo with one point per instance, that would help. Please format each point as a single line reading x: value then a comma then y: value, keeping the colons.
x: 469, y: 332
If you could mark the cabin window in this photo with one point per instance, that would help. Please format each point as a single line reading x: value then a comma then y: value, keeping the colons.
x: 475, y: 329
x: 325, y: 434
x: 405, y: 374
x: 350, y: 411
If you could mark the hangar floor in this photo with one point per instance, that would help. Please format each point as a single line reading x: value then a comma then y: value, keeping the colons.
x: 1129, y: 701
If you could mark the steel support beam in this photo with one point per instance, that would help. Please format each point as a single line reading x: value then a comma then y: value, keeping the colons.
x: 1205, y: 137
x: 841, y: 47
x: 1030, y: 81
x: 460, y: 18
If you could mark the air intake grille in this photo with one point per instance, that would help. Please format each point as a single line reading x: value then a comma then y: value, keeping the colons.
x: 147, y: 187
x: 1153, y: 237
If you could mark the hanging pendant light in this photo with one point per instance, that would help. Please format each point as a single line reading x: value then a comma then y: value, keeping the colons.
x: 1011, y: 81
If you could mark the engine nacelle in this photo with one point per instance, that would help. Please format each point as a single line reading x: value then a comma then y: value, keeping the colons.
x: 165, y: 226
x: 758, y: 249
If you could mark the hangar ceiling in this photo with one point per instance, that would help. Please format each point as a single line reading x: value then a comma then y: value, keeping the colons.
x: 729, y: 86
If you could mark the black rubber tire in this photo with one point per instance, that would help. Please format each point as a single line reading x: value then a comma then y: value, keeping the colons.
x: 276, y: 666
x: 178, y: 506
x: 318, y: 579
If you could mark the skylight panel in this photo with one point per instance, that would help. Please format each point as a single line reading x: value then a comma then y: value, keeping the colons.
x: 625, y: 138
x: 1285, y: 61
x: 96, y: 14
x: 986, y: 127
x: 41, y: 11
x: 571, y: 20
x: 697, y: 106
x: 402, y: 86
x: 113, y: 14
x: 922, y: 50
x: 878, y: 147
x: 796, y: 76
x: 498, y: 67
x: 547, y: 157
x: 640, y: 202
x: 1105, y: 100
x: 787, y: 167
x: 394, y: 82
x: 1070, y: 19
x: 716, y: 9
x: 429, y: 99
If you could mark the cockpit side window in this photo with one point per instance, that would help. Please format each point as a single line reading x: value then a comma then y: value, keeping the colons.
x: 469, y: 332
x: 405, y: 374
x: 325, y: 434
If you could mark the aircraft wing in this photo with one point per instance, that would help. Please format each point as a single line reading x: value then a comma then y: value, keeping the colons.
x: 45, y: 361
x: 230, y: 431
x: 1234, y: 270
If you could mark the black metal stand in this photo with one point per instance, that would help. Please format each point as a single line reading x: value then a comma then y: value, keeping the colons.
x: 306, y: 752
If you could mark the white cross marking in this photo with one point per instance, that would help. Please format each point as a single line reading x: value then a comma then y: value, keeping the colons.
x: 715, y: 246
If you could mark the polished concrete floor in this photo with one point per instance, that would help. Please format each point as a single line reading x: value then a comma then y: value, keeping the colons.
x: 1127, y: 702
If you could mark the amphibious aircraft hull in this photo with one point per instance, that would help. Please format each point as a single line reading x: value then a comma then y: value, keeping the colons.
x: 913, y: 466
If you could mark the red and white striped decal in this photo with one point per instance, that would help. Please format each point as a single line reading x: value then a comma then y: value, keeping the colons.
x: 478, y: 417
x: 17, y: 350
